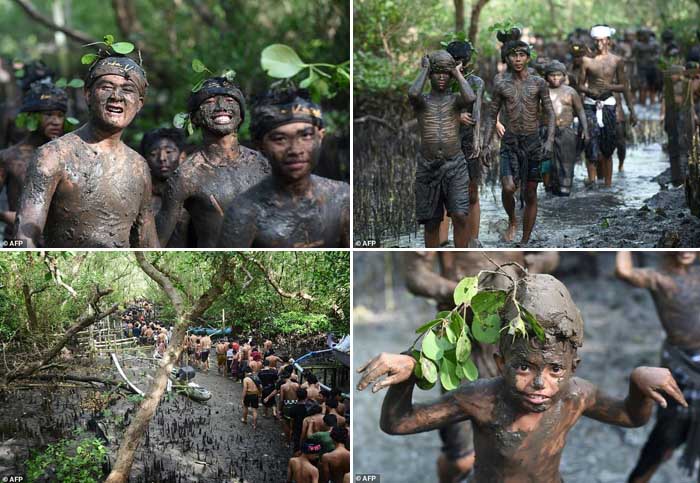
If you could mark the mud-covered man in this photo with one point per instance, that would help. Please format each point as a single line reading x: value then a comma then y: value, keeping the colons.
x: 567, y: 105
x: 435, y: 275
x: 521, y: 95
x: 290, y: 208
x: 601, y: 77
x: 88, y: 189
x: 675, y: 288
x: 647, y: 52
x: 206, y: 183
x: 442, y: 173
x: 164, y: 150
x: 470, y: 134
x: 50, y: 104
x: 522, y: 417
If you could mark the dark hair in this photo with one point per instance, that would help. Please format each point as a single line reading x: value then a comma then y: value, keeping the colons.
x: 313, y: 409
x: 339, y: 435
x: 311, y: 378
x: 332, y: 403
x: 301, y: 393
x: 330, y: 420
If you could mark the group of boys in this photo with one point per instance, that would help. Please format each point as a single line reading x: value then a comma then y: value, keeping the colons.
x: 527, y: 398
x: 89, y: 189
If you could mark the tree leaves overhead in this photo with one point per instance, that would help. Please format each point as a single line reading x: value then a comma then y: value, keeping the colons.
x: 281, y: 61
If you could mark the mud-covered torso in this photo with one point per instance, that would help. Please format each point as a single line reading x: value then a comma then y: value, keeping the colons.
x: 646, y: 53
x: 98, y: 196
x: 563, y: 104
x: 438, y: 119
x: 507, y: 454
x: 207, y: 183
x: 679, y: 309
x: 317, y: 219
x: 180, y: 237
x: 602, y: 69
x: 521, y: 102
x: 13, y: 162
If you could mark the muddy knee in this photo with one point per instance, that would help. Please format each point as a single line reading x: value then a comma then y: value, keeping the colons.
x: 459, y: 218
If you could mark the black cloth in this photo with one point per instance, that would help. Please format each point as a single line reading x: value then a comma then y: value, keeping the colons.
x: 441, y: 184
x: 42, y: 97
x: 251, y: 401
x: 563, y: 159
x: 297, y: 413
x: 216, y: 86
x: 520, y: 155
x: 268, y: 377
x: 603, y: 139
x: 118, y: 65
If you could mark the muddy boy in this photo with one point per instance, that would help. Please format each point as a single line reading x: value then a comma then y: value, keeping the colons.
x: 522, y: 417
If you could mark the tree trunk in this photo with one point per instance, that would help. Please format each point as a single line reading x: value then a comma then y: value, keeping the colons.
x: 132, y: 437
x: 83, y: 322
x: 474, y: 20
x: 31, y: 313
x: 459, y: 15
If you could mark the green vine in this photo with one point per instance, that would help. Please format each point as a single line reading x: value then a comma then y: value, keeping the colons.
x: 447, y: 340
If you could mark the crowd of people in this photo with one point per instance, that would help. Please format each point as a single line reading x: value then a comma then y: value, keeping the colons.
x: 546, y: 113
x: 139, y: 321
x: 315, y: 420
x: 88, y: 189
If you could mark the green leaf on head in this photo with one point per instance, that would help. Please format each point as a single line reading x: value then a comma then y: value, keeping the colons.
x: 123, y: 48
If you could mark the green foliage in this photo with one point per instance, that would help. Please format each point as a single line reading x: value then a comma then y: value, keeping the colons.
x: 297, y: 323
x: 28, y: 120
x: 447, y: 340
x: 69, y: 461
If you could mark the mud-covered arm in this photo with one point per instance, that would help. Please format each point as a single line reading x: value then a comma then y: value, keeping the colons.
x: 173, y: 200
x: 239, y: 227
x: 476, y: 111
x: 639, y: 277
x: 415, y: 92
x: 43, y: 175
x: 626, y: 90
x: 422, y: 279
x: 647, y: 386
x: 581, y: 114
x: 145, y: 225
x: 582, y: 76
x: 549, y: 115
x: 494, y: 109
x: 466, y: 94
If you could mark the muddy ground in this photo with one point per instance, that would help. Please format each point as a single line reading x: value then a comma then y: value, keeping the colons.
x: 187, y: 441
x: 641, y: 208
x: 622, y: 332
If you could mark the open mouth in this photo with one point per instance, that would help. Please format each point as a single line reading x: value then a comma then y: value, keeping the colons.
x: 222, y: 119
x: 536, y: 398
x: 295, y: 165
x: 114, y: 109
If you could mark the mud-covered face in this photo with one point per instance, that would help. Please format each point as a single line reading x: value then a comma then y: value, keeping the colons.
x: 293, y: 149
x: 113, y: 102
x: 555, y: 79
x: 440, y: 79
x: 219, y: 114
x: 536, y: 373
x: 163, y: 158
x: 52, y: 124
x: 602, y: 43
x: 517, y: 60
x: 685, y: 258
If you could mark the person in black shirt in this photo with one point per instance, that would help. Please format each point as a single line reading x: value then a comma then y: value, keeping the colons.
x: 297, y: 413
x: 268, y: 377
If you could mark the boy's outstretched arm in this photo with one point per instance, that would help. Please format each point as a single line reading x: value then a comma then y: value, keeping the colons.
x: 399, y: 414
x: 640, y: 277
x: 647, y: 384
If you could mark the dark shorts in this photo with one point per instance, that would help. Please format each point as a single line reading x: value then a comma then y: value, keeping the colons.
x: 205, y: 356
x: 251, y: 401
x: 564, y: 157
x: 190, y: 351
x: 473, y: 164
x: 287, y: 405
x: 603, y: 139
x: 520, y: 152
x: 441, y: 185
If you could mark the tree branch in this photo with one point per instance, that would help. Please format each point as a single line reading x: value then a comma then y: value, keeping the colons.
x: 207, y: 15
x: 474, y: 20
x: 34, y: 14
x: 31, y: 313
x: 163, y: 281
x: 78, y: 378
x: 274, y: 283
x: 83, y: 321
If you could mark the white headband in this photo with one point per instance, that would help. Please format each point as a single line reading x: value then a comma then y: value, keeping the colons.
x: 602, y: 31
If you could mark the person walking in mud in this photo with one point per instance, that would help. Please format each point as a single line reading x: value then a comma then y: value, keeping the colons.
x: 442, y: 173
x: 50, y: 104
x: 602, y: 76
x: 302, y: 468
x: 288, y: 395
x: 88, y: 189
x: 457, y: 457
x: 521, y: 95
x: 290, y: 208
x: 675, y: 288
x: 470, y: 135
x: 221, y: 347
x: 219, y: 170
x: 268, y: 379
x: 251, y: 398
x: 567, y: 105
x: 164, y: 151
x: 335, y: 464
x: 204, y: 354
x: 647, y: 51
x: 522, y: 417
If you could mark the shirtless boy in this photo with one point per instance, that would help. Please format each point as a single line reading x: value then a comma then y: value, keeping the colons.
x: 522, y: 417
x: 442, y: 174
x: 335, y: 464
x: 302, y: 468
x: 251, y: 398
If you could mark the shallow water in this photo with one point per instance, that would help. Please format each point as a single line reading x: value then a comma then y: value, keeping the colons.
x: 564, y: 221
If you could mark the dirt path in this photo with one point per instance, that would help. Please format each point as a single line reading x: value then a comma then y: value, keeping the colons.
x: 622, y: 331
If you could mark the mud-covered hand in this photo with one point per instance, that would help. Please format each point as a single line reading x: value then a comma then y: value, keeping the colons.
x: 425, y: 62
x: 466, y: 119
x: 396, y: 367
x: 500, y: 129
x: 457, y: 70
x: 652, y: 381
x: 547, y: 150
x: 633, y: 119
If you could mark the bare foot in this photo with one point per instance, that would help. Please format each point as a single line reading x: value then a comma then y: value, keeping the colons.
x: 244, y: 421
x: 510, y: 232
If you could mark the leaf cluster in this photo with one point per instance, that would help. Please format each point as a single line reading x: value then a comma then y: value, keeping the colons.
x: 112, y: 48
x: 69, y: 461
